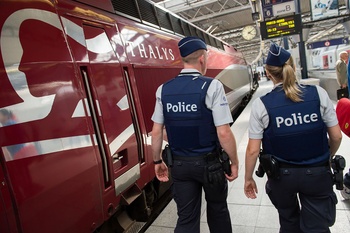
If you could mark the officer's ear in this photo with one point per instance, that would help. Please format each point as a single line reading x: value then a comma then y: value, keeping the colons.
x: 202, y: 59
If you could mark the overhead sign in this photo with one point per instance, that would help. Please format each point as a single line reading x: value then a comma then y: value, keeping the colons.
x: 284, y: 26
x: 321, y: 9
x: 273, y: 8
x: 326, y: 43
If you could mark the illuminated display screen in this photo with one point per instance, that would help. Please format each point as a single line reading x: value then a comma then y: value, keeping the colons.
x: 284, y: 26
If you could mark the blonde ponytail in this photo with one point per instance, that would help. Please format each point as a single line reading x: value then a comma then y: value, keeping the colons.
x: 286, y: 75
x: 290, y: 85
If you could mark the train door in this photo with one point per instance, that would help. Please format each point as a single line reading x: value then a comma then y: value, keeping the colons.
x: 315, y: 58
x: 332, y: 57
x: 109, y: 107
x: 325, y: 62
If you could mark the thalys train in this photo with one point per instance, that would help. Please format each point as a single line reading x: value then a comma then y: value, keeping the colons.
x: 321, y: 65
x: 77, y: 91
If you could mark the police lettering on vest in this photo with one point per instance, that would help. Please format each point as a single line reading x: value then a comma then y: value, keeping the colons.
x: 181, y: 107
x: 296, y: 119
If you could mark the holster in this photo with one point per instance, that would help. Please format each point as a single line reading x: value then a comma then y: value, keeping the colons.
x: 215, y: 173
x: 269, y: 165
x: 338, y: 164
x: 167, y: 156
x: 225, y: 162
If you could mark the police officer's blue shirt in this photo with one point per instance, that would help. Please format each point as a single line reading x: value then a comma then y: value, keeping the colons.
x: 259, y: 119
x: 215, y: 102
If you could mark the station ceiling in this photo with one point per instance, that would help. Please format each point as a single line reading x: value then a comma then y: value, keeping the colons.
x: 226, y: 19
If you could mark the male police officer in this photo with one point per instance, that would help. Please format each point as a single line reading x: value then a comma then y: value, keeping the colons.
x: 196, y: 116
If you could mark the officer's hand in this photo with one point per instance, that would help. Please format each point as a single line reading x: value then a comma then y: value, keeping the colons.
x: 234, y: 173
x: 250, y: 188
x: 161, y: 171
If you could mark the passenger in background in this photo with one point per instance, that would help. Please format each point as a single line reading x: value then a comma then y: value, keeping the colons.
x: 265, y: 74
x: 256, y: 79
x: 291, y: 122
x: 343, y: 114
x: 196, y: 116
x: 342, y: 70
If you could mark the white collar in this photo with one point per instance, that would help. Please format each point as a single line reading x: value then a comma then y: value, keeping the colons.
x: 191, y: 72
x: 278, y: 84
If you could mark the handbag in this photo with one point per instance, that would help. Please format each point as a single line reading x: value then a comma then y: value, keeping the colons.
x: 343, y: 93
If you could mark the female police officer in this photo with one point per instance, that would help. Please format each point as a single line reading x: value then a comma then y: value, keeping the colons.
x: 292, y: 122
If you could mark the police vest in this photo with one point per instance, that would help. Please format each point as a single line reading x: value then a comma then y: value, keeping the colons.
x: 188, y: 122
x: 296, y: 132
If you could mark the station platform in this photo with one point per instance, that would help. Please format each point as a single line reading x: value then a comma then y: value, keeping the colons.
x: 248, y: 215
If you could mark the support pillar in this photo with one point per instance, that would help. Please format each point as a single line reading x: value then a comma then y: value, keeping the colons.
x: 301, y: 45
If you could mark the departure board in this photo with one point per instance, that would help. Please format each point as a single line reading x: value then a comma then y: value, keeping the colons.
x: 284, y: 26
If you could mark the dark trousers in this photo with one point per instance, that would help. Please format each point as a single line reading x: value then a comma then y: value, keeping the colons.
x: 188, y: 181
x: 304, y: 198
x: 347, y: 179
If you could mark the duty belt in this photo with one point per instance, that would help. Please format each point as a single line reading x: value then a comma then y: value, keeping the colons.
x: 208, y: 157
x: 291, y: 165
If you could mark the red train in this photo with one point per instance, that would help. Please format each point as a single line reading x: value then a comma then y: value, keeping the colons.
x: 77, y: 90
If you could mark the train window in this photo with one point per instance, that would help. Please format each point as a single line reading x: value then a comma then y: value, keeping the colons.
x: 164, y: 19
x: 206, y: 38
x: 200, y: 33
x: 126, y: 7
x: 219, y: 44
x: 186, y: 28
x: 212, y: 41
x: 193, y: 30
x: 147, y: 12
x: 176, y: 22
